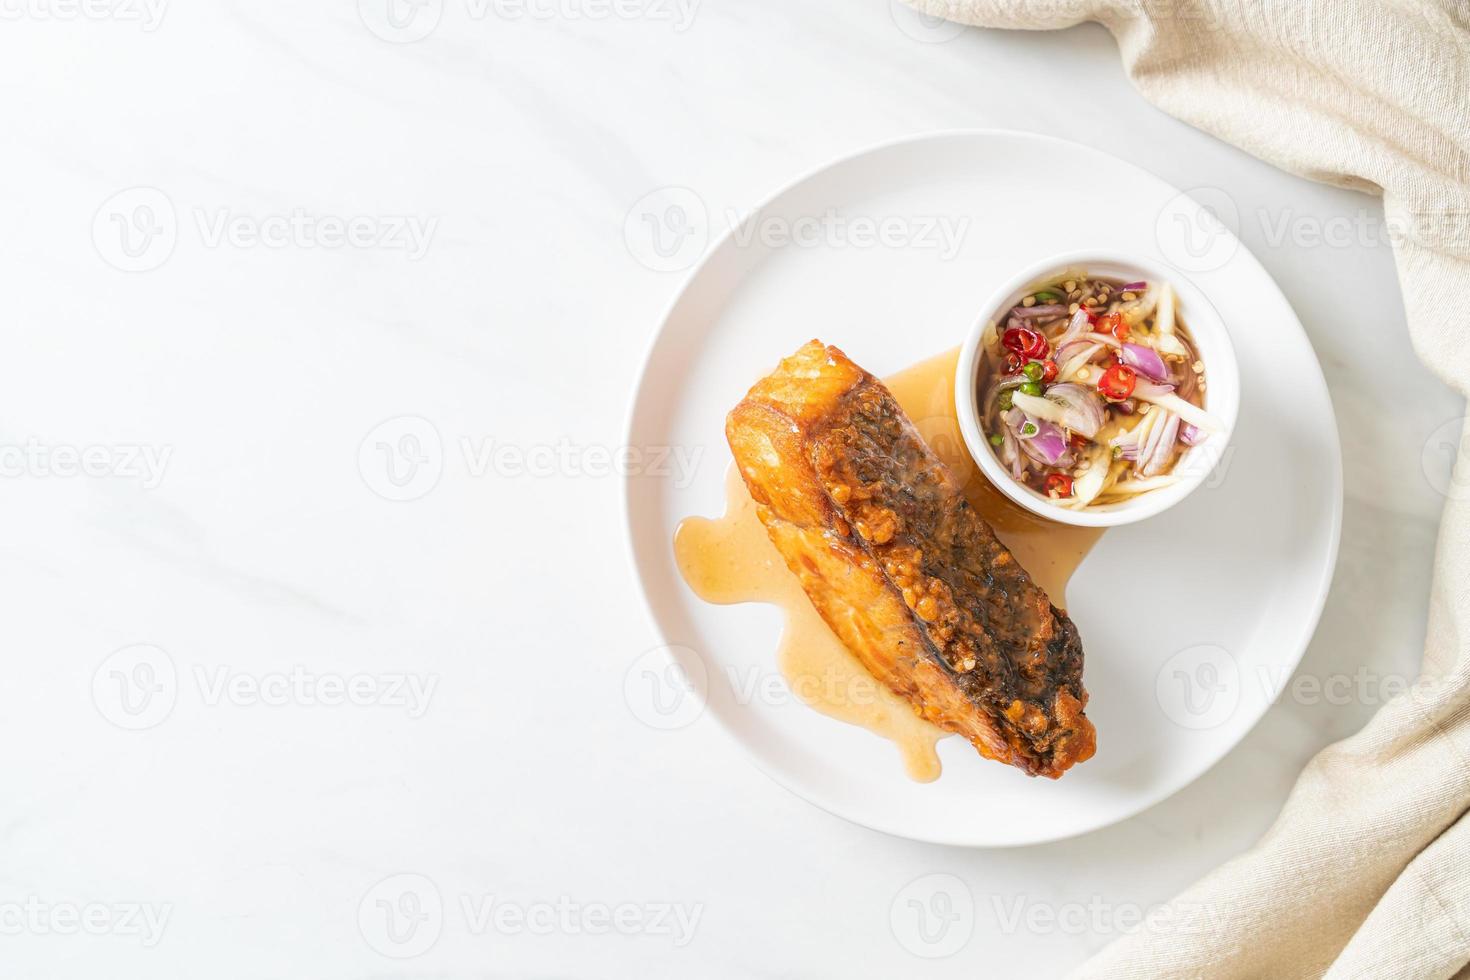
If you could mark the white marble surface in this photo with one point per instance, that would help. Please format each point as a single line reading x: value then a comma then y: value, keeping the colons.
x: 222, y: 399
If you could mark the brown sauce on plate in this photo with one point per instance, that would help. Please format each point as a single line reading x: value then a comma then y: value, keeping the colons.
x: 730, y: 559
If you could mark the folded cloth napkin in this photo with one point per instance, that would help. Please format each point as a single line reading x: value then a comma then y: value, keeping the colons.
x: 1366, y: 872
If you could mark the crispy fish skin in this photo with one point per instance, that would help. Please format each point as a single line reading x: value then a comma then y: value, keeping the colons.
x: 908, y: 576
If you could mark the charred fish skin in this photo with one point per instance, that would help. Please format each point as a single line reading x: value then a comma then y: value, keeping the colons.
x: 901, y: 567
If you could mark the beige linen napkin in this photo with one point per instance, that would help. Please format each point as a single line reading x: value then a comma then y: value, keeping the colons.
x: 1366, y: 872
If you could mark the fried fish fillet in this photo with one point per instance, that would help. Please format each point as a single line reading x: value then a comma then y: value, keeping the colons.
x: 898, y: 563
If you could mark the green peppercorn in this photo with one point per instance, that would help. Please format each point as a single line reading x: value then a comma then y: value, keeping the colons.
x: 1032, y: 388
x: 1007, y: 398
x: 997, y: 439
x: 1034, y: 370
x: 1046, y: 295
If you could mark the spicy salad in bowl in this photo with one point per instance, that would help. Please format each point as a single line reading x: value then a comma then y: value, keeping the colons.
x: 1097, y: 390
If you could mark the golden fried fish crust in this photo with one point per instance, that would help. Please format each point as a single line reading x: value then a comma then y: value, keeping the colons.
x: 903, y: 569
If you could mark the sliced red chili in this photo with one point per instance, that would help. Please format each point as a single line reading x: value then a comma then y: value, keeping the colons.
x: 1117, y: 382
x: 1113, y: 323
x: 1058, y: 485
x: 1026, y: 342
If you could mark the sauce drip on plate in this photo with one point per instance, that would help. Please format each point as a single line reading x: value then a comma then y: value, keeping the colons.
x: 730, y: 559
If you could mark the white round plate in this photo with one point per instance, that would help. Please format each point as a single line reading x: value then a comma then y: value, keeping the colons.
x: 1192, y: 622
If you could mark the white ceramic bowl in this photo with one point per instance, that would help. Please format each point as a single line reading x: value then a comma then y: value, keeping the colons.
x: 1211, y: 339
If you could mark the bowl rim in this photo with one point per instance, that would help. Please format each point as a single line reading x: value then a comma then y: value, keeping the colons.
x: 1207, y: 328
